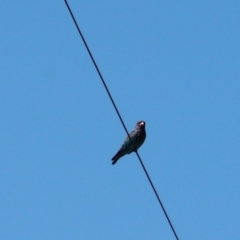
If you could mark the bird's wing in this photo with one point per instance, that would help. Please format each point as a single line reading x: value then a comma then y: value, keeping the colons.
x: 133, y: 135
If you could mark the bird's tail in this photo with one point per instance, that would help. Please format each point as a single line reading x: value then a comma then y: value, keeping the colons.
x: 118, y: 155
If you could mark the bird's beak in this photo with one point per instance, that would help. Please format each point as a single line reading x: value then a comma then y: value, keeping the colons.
x: 141, y: 123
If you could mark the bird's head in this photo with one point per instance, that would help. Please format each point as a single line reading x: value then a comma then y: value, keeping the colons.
x: 141, y: 125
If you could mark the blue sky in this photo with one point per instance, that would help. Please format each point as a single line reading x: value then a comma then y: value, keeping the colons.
x: 173, y: 64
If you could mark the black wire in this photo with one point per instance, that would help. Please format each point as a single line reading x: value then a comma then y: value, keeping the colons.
x: 109, y: 94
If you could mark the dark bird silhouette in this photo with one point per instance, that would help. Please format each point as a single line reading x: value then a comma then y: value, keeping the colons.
x: 137, y: 136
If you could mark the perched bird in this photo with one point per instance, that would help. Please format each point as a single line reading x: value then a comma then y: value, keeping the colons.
x: 137, y: 136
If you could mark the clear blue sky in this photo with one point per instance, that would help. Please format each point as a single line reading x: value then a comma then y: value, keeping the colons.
x: 174, y: 64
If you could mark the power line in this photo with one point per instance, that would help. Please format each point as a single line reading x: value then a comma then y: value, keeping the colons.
x: 119, y: 115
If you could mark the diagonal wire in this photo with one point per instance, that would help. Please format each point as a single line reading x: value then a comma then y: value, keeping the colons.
x: 119, y: 115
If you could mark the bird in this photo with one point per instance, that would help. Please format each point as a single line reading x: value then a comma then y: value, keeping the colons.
x: 138, y: 136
